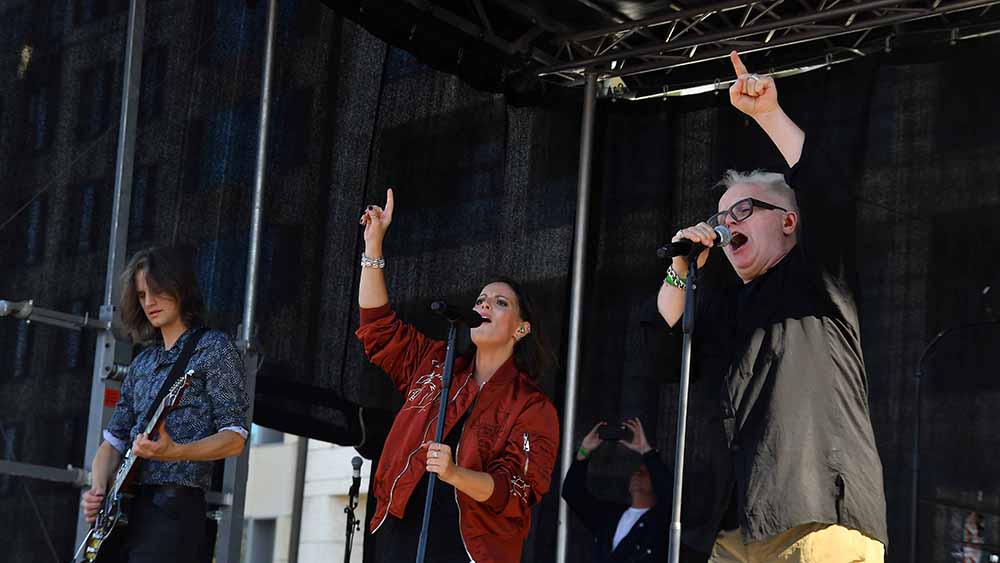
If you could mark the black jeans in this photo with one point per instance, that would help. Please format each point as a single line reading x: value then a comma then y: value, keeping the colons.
x: 166, y: 524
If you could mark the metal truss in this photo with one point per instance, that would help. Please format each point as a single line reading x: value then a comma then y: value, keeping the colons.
x: 664, y: 53
x: 839, y: 30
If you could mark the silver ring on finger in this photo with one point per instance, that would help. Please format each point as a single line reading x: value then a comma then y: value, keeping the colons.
x: 754, y: 77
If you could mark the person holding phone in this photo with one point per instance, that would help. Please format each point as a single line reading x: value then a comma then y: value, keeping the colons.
x: 631, y: 532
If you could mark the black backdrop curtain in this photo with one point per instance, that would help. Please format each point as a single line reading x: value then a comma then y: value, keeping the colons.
x: 484, y: 188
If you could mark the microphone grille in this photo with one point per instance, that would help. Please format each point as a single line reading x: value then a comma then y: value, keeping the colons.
x: 725, y: 237
x: 356, y: 462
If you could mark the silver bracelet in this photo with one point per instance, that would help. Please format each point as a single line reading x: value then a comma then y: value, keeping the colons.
x: 367, y: 262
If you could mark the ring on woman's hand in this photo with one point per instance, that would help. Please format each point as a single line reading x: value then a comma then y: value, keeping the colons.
x: 754, y: 77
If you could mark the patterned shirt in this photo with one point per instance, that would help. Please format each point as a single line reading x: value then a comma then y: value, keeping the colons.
x: 215, y: 401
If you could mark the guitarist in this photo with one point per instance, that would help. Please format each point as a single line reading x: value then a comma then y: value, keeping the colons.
x: 160, y: 305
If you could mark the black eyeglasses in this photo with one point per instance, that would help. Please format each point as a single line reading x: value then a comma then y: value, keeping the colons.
x: 741, y: 211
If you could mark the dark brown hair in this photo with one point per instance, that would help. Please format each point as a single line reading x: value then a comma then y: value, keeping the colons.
x: 531, y: 353
x: 168, y: 271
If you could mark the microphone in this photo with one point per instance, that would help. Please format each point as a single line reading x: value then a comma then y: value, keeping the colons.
x: 468, y: 317
x: 355, y: 477
x: 685, y: 247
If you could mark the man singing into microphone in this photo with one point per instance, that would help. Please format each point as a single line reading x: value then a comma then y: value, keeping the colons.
x: 802, y: 480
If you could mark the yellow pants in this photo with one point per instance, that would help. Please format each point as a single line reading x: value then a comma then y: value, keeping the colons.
x: 809, y: 543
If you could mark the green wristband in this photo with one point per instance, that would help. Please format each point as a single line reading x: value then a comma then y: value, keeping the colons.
x: 673, y: 279
x: 582, y: 452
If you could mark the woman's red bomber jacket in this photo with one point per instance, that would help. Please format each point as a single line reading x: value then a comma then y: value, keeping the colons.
x: 511, y: 434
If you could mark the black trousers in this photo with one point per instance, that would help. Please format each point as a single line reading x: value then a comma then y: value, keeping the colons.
x: 166, y: 525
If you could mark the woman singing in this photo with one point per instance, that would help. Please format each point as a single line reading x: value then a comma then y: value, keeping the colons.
x: 501, y: 432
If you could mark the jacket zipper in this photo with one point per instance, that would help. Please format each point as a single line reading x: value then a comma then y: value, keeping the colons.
x: 460, y: 534
x: 392, y: 489
x: 527, y: 449
x: 458, y: 447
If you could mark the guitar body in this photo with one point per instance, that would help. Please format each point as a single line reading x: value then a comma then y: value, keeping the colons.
x: 101, y: 546
x: 105, y: 540
x: 106, y: 537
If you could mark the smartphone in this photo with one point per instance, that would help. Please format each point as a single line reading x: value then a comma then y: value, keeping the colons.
x: 614, y: 432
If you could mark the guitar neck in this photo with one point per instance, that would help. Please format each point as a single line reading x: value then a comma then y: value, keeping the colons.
x: 129, y: 460
x: 155, y: 420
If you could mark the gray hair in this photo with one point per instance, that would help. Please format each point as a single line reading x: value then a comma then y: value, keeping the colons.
x: 771, y: 182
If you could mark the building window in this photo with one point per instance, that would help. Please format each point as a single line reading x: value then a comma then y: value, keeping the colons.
x: 230, y: 146
x: 58, y: 12
x: 221, y: 268
x: 95, y: 101
x: 239, y: 28
x: 38, y: 114
x: 73, y: 339
x: 14, y: 25
x: 34, y: 235
x: 8, y: 452
x: 81, y: 227
x: 140, y: 214
x: 231, y: 29
x: 22, y: 350
x: 221, y: 274
x: 88, y: 212
x: 89, y: 11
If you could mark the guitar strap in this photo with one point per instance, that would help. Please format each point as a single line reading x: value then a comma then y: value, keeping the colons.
x: 176, y: 371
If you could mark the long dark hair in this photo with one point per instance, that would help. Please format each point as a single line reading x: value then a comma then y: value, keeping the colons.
x: 531, y: 353
x: 168, y: 270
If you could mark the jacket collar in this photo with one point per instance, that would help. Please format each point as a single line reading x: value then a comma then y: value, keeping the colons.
x: 506, y: 373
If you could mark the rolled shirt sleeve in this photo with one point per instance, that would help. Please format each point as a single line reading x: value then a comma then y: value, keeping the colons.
x: 226, y: 389
x: 119, y: 430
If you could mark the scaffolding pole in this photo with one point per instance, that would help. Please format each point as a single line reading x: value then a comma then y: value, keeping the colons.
x: 576, y: 302
x: 294, y: 537
x: 104, y: 355
x: 234, y: 486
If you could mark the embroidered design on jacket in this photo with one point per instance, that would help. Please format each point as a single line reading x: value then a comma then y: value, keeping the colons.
x: 518, y: 485
x: 426, y: 389
x: 520, y: 488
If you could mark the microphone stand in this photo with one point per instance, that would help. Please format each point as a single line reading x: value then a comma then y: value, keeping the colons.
x: 449, y: 364
x: 915, y: 448
x: 352, y: 521
x: 687, y: 324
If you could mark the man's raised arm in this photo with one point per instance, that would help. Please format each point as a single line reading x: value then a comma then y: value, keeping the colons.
x: 757, y: 96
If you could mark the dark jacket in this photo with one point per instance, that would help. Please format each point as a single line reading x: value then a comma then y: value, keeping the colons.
x: 648, y: 538
x: 783, y: 352
x: 512, y: 433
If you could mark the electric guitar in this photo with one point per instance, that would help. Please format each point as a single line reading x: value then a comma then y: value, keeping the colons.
x: 114, y: 510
